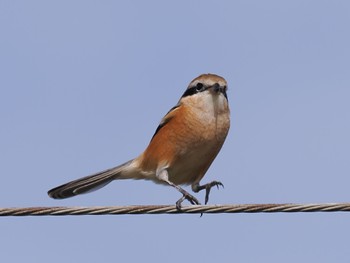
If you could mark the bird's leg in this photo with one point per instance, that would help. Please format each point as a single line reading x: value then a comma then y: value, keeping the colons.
x: 196, y: 188
x: 185, y: 195
x: 163, y: 176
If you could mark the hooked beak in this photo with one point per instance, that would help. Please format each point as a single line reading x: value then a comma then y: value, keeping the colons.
x: 219, y: 89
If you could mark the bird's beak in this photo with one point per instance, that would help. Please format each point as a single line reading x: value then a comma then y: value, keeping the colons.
x: 216, y: 88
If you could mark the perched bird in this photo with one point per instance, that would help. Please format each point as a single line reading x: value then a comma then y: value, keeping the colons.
x: 184, y: 145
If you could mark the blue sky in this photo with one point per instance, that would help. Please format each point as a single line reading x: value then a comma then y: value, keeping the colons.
x: 84, y: 84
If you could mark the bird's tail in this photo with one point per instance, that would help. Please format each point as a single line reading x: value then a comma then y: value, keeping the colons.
x: 88, y: 183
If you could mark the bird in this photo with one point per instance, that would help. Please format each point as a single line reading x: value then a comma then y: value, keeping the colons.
x: 183, y: 147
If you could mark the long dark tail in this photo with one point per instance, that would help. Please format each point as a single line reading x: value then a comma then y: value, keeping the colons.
x: 87, y: 184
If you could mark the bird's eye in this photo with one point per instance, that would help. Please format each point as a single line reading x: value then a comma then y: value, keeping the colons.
x: 199, y: 86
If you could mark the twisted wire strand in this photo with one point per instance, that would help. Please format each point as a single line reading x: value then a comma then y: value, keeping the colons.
x: 171, y: 209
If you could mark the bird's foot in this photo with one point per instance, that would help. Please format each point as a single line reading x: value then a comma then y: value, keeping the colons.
x: 196, y: 188
x: 188, y: 197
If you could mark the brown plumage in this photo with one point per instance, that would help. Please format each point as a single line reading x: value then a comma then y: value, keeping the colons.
x: 182, y: 149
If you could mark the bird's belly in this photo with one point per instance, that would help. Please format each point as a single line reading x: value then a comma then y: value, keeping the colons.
x: 191, y: 165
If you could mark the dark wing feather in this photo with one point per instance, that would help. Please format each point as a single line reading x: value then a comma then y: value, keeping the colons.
x: 165, y: 120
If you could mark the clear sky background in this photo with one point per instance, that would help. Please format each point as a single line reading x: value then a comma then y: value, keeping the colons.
x: 84, y: 85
